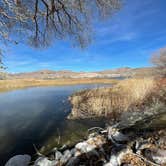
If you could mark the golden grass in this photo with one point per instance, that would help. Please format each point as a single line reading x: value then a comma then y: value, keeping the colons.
x: 23, y: 83
x: 108, y: 101
x: 134, y: 91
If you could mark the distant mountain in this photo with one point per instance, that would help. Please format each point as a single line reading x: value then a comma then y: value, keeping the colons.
x: 128, y: 72
x: 114, y: 73
x: 118, y: 70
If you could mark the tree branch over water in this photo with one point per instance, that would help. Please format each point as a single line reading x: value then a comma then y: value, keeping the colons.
x: 41, y: 22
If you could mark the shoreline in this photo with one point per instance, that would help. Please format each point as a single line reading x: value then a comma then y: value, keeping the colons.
x: 9, y: 85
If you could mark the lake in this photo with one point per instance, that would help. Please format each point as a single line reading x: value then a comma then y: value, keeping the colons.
x: 37, y: 117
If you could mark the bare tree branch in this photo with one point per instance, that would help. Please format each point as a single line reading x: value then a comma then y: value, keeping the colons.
x: 43, y: 21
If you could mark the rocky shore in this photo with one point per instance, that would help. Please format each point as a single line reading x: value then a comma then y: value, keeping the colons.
x: 129, y: 142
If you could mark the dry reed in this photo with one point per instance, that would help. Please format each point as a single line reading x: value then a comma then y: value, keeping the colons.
x: 111, y: 101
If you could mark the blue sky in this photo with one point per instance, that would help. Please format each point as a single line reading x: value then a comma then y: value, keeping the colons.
x: 128, y: 38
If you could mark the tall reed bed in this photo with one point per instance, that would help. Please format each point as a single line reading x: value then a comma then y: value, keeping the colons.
x: 111, y: 101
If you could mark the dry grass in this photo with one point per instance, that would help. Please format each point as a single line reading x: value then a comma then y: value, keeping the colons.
x: 22, y: 83
x: 134, y: 91
x: 123, y: 96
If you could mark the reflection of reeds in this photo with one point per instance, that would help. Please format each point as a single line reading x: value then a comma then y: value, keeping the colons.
x: 111, y: 101
x: 21, y: 83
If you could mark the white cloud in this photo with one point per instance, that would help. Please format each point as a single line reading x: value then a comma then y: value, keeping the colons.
x: 126, y: 37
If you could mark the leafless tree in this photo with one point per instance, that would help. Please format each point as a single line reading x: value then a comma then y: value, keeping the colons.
x: 159, y: 60
x: 43, y: 21
x: 1, y: 63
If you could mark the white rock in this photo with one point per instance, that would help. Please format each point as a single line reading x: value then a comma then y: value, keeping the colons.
x: 84, y: 147
x: 115, y: 135
x: 58, y: 155
x: 77, y: 153
x: 90, y: 148
x: 113, y: 160
x: 43, y: 161
x: 81, y: 147
x: 66, y: 156
x: 19, y: 160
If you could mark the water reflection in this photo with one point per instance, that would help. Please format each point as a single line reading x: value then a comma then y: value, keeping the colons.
x: 69, y: 133
x: 32, y: 116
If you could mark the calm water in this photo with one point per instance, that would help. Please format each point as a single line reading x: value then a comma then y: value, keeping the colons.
x: 38, y: 116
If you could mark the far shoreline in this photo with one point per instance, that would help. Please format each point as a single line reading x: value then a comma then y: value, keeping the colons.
x: 14, y: 84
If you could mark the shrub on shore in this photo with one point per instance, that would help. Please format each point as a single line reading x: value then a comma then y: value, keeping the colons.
x: 159, y: 61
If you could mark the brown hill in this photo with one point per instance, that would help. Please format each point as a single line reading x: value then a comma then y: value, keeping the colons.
x: 114, y: 73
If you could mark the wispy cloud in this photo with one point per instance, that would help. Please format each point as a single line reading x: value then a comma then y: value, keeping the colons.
x: 136, y: 20
x: 126, y: 37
